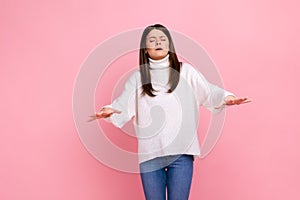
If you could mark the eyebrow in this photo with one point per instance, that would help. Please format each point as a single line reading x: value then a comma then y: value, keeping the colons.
x: 155, y: 37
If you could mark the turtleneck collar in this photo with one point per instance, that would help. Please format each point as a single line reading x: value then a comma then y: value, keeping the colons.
x: 159, y: 64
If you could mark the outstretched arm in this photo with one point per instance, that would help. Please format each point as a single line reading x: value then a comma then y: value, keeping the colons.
x: 122, y: 108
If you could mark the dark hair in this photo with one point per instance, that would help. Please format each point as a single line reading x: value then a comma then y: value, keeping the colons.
x: 144, y: 62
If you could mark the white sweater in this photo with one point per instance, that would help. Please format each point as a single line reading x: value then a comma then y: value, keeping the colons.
x: 167, y: 123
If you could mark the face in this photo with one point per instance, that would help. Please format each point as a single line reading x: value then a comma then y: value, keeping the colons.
x: 157, y: 44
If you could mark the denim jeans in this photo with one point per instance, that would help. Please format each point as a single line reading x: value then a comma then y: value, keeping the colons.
x: 168, y: 174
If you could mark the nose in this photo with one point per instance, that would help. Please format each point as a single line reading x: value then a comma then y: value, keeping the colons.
x: 158, y: 42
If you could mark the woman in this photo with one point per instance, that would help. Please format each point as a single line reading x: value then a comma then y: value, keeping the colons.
x: 164, y: 97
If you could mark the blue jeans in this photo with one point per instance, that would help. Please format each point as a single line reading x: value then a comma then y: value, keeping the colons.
x: 169, y: 173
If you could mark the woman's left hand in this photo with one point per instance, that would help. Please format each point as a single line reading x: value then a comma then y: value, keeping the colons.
x: 232, y: 100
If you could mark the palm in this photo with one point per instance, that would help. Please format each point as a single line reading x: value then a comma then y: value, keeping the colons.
x: 103, y: 113
x: 236, y: 101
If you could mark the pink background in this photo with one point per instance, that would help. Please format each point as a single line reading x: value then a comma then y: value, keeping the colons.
x: 255, y: 45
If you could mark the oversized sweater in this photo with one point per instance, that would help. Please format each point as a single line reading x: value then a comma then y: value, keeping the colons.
x: 167, y: 123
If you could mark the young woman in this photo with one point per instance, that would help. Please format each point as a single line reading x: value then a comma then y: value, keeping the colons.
x: 164, y: 97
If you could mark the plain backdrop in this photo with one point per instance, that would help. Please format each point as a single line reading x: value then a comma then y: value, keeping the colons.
x: 255, y: 45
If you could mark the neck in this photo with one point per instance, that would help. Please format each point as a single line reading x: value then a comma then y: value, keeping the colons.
x: 159, y: 64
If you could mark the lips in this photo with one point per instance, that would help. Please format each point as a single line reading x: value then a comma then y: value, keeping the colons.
x: 159, y: 49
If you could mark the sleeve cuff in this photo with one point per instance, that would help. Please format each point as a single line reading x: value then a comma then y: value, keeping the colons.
x: 220, y: 107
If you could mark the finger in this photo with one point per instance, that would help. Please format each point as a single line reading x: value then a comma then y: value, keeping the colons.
x: 92, y: 119
x: 241, y: 99
x: 234, y: 102
x: 247, y: 101
x: 244, y: 101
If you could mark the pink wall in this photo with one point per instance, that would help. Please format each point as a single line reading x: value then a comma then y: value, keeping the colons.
x: 255, y: 45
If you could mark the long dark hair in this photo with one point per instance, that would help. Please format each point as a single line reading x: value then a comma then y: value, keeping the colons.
x: 144, y: 62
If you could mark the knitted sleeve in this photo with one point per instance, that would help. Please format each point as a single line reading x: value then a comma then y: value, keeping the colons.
x: 126, y: 103
x: 208, y: 95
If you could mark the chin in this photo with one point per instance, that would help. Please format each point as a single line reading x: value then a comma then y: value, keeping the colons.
x: 159, y: 56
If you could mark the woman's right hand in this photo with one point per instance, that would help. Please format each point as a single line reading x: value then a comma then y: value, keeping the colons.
x: 105, y: 112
